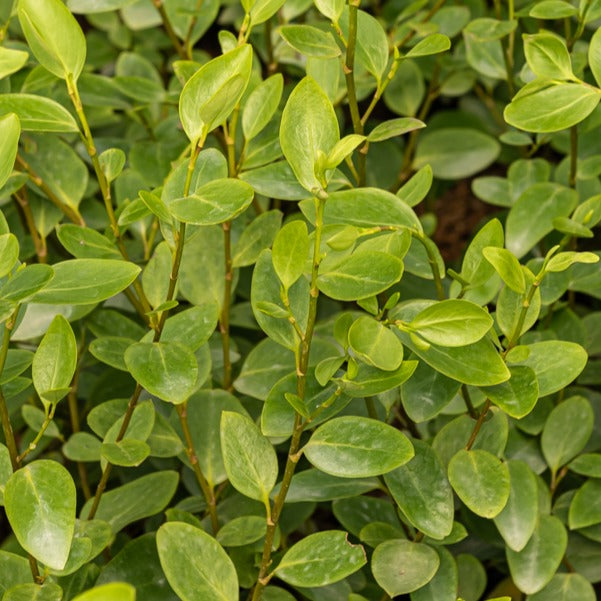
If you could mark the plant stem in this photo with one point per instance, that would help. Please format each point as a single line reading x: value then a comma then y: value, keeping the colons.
x: 349, y: 75
x: 193, y: 21
x: 468, y: 402
x: 158, y: 4
x: 522, y: 317
x: 573, y: 155
x: 478, y: 425
x: 293, y: 451
x: 207, y: 489
x: 34, y: 443
x: 39, y: 243
x: 70, y: 212
x: 433, y: 264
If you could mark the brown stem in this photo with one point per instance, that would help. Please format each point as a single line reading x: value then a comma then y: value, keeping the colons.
x: 478, y: 425
x: 39, y: 243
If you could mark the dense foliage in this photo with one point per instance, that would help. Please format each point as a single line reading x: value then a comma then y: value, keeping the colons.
x: 234, y: 363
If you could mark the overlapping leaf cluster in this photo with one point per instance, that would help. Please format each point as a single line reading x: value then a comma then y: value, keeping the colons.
x: 234, y: 363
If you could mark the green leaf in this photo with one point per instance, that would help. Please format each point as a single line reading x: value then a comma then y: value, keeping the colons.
x: 585, y: 508
x: 556, y: 363
x: 443, y: 587
x: 320, y: 559
x: 86, y: 243
x: 370, y: 380
x: 112, y: 161
x: 332, y: 9
x: 456, y: 152
x: 507, y: 266
x: 262, y: 10
x: 547, y: 106
x: 452, y: 323
x: 6, y: 471
x: 54, y: 37
x: 423, y: 493
x: 310, y: 41
x: 15, y: 570
x: 26, y: 282
x: 363, y: 274
x: 419, y: 562
x: 37, y: 113
x: 531, y: 217
x: 156, y: 205
x: 547, y: 56
x: 10, y: 130
x: 518, y: 395
x: 86, y: 281
x: 128, y: 453
x: 587, y: 464
x: 11, y: 61
x: 82, y: 446
x: 565, y: 587
x: 476, y: 269
x: 561, y: 261
x: 54, y: 362
x: 40, y: 504
x: 375, y: 344
x: 364, y: 207
x: 216, y: 202
x: 552, y: 9
x: 431, y: 44
x: 357, y: 447
x: 9, y: 253
x: 168, y: 370
x: 195, y: 564
x: 481, y: 481
x: 136, y: 500
x: 290, y: 252
x: 534, y: 566
x: 250, y: 460
x: 115, y: 591
x: 393, y: 128
x: 309, y: 128
x: 517, y: 521
x: 48, y: 591
x: 242, y: 531
x: 256, y: 237
x: 594, y: 56
x: 566, y: 431
x: 343, y: 149
x: 211, y: 94
x: 261, y: 105
x: 416, y: 189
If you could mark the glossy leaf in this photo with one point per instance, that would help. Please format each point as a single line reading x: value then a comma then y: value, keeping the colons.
x: 423, y: 493
x: 585, y: 508
x: 419, y: 564
x: 594, y: 56
x: 11, y: 61
x: 166, y: 369
x: 534, y: 566
x: 10, y: 131
x: 249, y: 459
x: 290, y: 252
x: 54, y: 37
x: 481, y: 481
x: 518, y: 395
x: 432, y: 44
x: 507, y: 266
x: 211, y: 94
x: 195, y: 564
x: 117, y: 591
x: 37, y: 113
x: 320, y: 559
x: 375, y: 344
x: 564, y: 587
x: 40, y: 504
x: 54, y: 362
x: 548, y: 56
x: 26, y: 282
x: 357, y: 447
x: 308, y: 128
x: 394, y: 127
x: 261, y: 105
x: 310, y: 41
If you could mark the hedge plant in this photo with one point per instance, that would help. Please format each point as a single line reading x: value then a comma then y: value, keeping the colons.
x: 234, y: 363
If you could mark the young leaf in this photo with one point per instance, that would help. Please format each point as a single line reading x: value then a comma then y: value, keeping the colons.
x: 86, y: 281
x: 357, y: 447
x: 585, y: 508
x: 40, y: 504
x: 290, y: 252
x: 310, y: 41
x: 112, y: 161
x: 561, y: 261
x: 423, y: 477
x: 452, y: 322
x: 37, y: 113
x: 261, y: 105
x: 216, y: 202
x: 416, y: 189
x: 507, y: 266
x: 195, y: 564
x: 115, y: 591
x: 548, y: 106
x: 517, y: 521
x: 166, y: 369
x: 262, y: 10
x: 11, y: 61
x: 363, y: 274
x: 54, y: 37
x: 534, y: 566
x: 393, y: 128
x: 548, y: 56
x: 481, y: 481
x: 54, y: 362
x: 10, y: 130
x: 332, y: 9
x: 342, y: 149
x: 321, y: 559
x: 26, y: 282
x: 375, y: 344
x: 419, y: 562
x: 594, y: 56
x: 309, y: 127
x: 211, y: 94
x: 249, y: 458
x: 566, y: 431
x: 432, y: 44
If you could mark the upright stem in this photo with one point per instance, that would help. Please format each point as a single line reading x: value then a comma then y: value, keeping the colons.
x: 158, y: 4
x: 193, y: 21
x: 39, y: 243
x: 440, y: 293
x: 478, y: 425
x: 573, y: 155
x: 301, y: 380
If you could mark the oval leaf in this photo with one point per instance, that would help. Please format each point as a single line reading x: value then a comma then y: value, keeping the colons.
x: 37, y: 113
